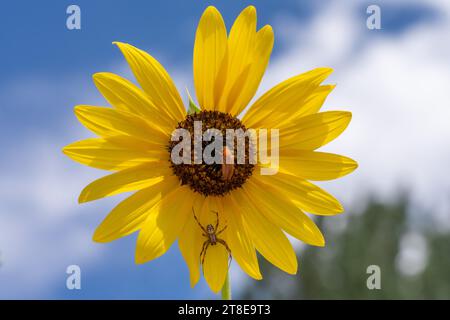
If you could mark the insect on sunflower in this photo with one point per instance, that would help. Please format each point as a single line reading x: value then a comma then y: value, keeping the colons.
x: 135, y: 142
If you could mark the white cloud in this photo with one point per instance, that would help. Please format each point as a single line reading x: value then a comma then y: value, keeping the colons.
x: 40, y: 232
x: 41, y: 228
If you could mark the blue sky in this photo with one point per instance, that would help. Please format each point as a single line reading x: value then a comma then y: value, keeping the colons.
x: 46, y: 70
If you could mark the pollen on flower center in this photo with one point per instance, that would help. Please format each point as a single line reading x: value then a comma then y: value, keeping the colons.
x: 212, y: 179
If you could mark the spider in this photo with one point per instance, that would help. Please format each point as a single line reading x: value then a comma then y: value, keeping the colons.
x: 211, y: 233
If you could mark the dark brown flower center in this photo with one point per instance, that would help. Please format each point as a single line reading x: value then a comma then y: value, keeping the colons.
x: 213, y: 179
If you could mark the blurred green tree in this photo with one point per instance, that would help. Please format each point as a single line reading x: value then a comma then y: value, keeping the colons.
x: 355, y: 241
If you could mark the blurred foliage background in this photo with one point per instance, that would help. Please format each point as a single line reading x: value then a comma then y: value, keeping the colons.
x: 413, y: 258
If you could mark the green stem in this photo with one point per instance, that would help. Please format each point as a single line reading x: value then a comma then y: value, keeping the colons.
x: 226, y: 289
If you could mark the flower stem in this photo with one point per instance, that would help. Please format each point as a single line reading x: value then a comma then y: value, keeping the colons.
x: 226, y: 289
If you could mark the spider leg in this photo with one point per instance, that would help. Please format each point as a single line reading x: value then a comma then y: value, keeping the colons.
x: 199, y: 224
x: 228, y: 250
x: 220, y: 231
x: 203, y: 249
x: 217, y: 219
x: 204, y: 253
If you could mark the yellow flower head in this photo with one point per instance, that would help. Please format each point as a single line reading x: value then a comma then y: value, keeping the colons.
x: 214, y: 211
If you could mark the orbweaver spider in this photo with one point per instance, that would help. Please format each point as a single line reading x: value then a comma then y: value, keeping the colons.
x: 211, y: 233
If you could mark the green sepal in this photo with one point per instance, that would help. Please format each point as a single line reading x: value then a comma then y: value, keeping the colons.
x: 193, y: 108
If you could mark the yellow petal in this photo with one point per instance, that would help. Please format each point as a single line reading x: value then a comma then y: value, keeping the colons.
x: 191, y: 241
x: 242, y: 40
x: 209, y: 52
x: 241, y: 46
x: 154, y: 79
x: 269, y: 240
x: 133, y: 143
x: 108, y: 122
x: 278, y: 209
x: 315, y: 165
x: 131, y: 179
x: 130, y: 215
x: 285, y: 99
x: 310, y: 105
x: 215, y: 267
x: 239, y: 240
x: 103, y: 154
x: 164, y: 224
x: 302, y: 193
x: 235, y: 91
x: 125, y: 96
x: 315, y: 130
x: 260, y: 60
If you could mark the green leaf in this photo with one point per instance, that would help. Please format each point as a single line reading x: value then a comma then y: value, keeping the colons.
x: 193, y: 108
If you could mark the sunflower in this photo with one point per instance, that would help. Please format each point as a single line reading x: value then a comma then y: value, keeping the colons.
x: 171, y: 202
